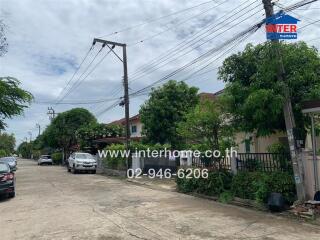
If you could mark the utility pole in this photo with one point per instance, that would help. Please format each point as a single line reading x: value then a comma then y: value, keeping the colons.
x: 30, y: 135
x: 39, y: 128
x: 51, y: 112
x: 125, y: 85
x: 296, y: 155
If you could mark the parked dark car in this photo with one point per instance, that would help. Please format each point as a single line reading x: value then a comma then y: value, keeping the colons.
x: 7, y: 180
x: 12, y: 161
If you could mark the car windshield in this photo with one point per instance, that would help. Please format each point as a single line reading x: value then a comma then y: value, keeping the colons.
x: 83, y: 156
x: 7, y: 159
x: 4, y: 167
x: 45, y: 157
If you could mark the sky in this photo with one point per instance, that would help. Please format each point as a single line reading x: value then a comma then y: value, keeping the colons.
x: 48, y: 40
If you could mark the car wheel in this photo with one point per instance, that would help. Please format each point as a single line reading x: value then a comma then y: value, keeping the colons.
x: 73, y: 170
x: 12, y: 194
x: 94, y: 171
x: 69, y: 170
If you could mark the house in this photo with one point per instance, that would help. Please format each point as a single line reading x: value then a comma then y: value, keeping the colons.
x: 135, y: 131
x: 135, y: 126
x: 250, y: 142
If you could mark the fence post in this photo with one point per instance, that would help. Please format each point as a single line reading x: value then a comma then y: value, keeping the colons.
x: 233, y: 163
x: 136, y: 164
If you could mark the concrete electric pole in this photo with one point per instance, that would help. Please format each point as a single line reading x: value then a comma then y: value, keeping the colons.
x: 51, y: 113
x: 125, y: 84
x: 39, y: 128
x: 295, y: 153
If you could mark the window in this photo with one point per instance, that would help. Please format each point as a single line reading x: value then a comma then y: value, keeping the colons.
x: 4, y: 167
x: 247, y: 143
x: 133, y: 129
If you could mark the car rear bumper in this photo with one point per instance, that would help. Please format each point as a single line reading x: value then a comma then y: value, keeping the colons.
x: 45, y: 161
x: 85, y: 167
x: 6, y: 187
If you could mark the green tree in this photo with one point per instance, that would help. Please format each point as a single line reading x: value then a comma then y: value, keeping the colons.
x: 3, y: 153
x: 165, y: 108
x: 86, y: 134
x: 61, y: 133
x: 25, y: 149
x: 13, y: 100
x: 7, y: 142
x: 253, y: 94
x: 207, y: 126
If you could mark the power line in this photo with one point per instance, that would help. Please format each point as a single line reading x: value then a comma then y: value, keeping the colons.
x: 76, y: 83
x: 172, y: 27
x: 181, y: 52
x: 76, y: 71
x: 148, y: 21
x: 95, y: 66
x: 204, y: 56
x: 255, y: 27
x: 78, y: 103
x: 118, y: 90
x: 196, y: 35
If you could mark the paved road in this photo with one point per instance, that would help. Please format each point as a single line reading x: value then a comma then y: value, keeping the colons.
x: 54, y: 204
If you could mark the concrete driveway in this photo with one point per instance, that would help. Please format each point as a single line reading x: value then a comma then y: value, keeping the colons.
x: 54, y: 204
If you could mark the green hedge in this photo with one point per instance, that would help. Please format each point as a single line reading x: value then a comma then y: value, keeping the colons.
x: 57, y: 158
x: 247, y: 185
x: 258, y: 185
x: 118, y: 162
x: 216, y: 183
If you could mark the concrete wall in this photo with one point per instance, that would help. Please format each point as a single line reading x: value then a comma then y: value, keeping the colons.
x: 258, y: 144
x: 309, y: 176
x: 138, y: 124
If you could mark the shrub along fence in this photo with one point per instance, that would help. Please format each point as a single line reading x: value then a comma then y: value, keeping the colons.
x: 255, y: 186
x: 255, y: 177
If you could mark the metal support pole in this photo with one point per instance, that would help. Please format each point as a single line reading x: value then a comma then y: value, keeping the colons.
x: 314, y: 151
x: 126, y: 102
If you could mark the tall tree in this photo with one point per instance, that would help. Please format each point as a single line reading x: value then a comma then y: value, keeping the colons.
x: 255, y: 97
x: 207, y: 126
x: 166, y: 107
x: 61, y: 133
x: 13, y: 100
x: 7, y: 142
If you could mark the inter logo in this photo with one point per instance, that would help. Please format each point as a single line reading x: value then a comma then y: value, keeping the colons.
x: 281, y: 26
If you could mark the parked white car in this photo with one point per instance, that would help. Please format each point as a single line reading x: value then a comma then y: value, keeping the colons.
x: 45, y: 159
x: 82, y: 162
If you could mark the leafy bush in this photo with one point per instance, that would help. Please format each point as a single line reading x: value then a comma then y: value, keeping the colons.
x: 226, y: 197
x: 116, y: 162
x: 247, y: 185
x: 57, y: 158
x: 277, y: 148
x: 3, y: 153
x: 216, y: 183
x: 258, y: 185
